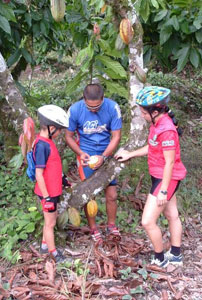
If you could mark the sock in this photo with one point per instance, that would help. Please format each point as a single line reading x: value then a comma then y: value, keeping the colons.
x: 44, y: 245
x: 175, y: 250
x: 111, y: 225
x: 159, y: 255
x: 54, y: 252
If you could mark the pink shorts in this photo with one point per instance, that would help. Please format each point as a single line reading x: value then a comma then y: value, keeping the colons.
x: 156, y: 184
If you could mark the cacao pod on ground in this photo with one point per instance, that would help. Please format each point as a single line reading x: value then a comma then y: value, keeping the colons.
x: 126, y: 31
x: 92, y: 208
x: 58, y: 9
x: 74, y: 216
x: 62, y: 219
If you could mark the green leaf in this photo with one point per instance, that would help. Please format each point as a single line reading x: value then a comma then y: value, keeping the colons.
x: 14, y: 57
x: 160, y: 15
x: 112, y: 64
x: 165, y: 34
x: 7, y: 12
x: 30, y: 227
x: 137, y: 290
x: 84, y: 53
x: 26, y: 55
x: 4, y: 24
x: 143, y: 272
x: 183, y: 55
x: 28, y: 19
x: 194, y: 57
x: 73, y: 84
x: 127, y: 297
x: 144, y: 10
x: 114, y: 88
x: 175, y: 23
x: 198, y: 36
x: 198, y: 22
x: 16, y: 161
x: 155, y: 3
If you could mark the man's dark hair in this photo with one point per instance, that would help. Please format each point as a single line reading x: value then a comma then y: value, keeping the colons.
x: 93, y: 92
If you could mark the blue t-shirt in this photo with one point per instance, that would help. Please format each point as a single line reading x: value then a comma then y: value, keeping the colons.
x: 41, y: 154
x: 94, y: 128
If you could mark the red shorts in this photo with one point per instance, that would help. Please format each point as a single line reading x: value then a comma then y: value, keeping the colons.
x: 156, y: 184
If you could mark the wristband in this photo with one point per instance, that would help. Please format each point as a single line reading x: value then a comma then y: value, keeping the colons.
x: 164, y: 192
x: 104, y: 157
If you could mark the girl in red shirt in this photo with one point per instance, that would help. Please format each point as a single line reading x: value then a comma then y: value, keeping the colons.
x: 166, y: 170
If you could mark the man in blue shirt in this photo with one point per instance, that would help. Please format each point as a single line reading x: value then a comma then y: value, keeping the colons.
x: 97, y: 121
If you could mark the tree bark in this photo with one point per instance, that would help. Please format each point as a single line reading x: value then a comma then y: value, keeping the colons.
x: 13, y: 108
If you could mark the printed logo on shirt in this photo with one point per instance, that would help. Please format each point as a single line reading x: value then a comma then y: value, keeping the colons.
x: 168, y: 143
x: 92, y: 127
x: 118, y: 111
x: 153, y: 141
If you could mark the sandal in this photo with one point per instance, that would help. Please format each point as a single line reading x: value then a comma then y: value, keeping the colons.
x: 112, y: 229
x: 96, y: 236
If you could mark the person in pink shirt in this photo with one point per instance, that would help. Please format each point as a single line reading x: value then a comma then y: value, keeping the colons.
x: 166, y: 170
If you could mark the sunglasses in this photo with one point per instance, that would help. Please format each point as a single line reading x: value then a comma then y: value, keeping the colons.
x: 94, y: 107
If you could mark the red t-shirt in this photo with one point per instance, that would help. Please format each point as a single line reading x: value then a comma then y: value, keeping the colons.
x: 163, y: 136
x: 47, y: 157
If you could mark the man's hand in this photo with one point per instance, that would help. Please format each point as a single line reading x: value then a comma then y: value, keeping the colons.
x: 99, y: 163
x: 84, y: 158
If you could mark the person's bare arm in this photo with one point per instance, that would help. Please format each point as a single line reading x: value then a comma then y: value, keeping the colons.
x: 123, y: 155
x: 41, y: 182
x: 167, y: 175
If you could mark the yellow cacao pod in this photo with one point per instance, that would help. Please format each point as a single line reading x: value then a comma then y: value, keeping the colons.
x: 58, y: 9
x: 126, y: 31
x: 92, y: 208
x: 74, y: 216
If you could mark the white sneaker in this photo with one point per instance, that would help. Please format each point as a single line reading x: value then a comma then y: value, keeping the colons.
x: 161, y: 264
x: 175, y: 260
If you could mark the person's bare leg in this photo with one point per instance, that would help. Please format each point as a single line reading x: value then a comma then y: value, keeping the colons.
x: 111, y: 204
x: 149, y: 218
x: 48, y: 229
x: 91, y: 221
x: 175, y: 226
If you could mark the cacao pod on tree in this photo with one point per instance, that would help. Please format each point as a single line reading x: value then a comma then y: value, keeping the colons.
x: 126, y: 31
x: 119, y: 44
x: 74, y: 216
x: 141, y: 74
x: 92, y: 208
x: 58, y: 9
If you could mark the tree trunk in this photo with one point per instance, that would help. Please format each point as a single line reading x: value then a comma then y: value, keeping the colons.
x: 13, y: 110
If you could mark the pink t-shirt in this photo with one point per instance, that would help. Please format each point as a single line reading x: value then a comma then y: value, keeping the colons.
x: 163, y: 136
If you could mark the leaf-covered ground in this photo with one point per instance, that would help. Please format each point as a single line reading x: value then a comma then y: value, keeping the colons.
x: 119, y: 269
